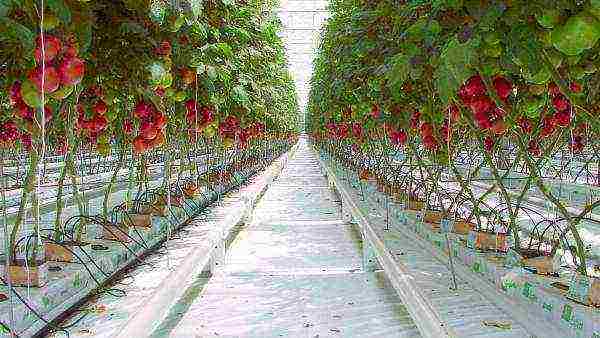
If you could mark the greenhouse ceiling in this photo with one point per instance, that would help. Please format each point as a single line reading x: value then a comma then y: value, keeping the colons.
x: 302, y: 21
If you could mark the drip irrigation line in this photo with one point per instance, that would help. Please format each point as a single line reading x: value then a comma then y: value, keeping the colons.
x: 119, y: 275
x: 32, y: 310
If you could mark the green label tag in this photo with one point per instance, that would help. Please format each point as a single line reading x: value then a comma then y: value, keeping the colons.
x: 567, y: 313
x: 471, y: 239
x: 403, y: 218
x: 528, y: 290
x: 579, y: 288
x: 577, y: 323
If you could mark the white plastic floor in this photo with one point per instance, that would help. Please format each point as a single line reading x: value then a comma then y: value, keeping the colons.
x: 294, y: 270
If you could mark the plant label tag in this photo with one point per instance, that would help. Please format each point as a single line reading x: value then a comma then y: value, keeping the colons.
x: 471, y: 239
x: 403, y: 218
x: 419, y: 216
x: 513, y: 259
x: 528, y: 290
x: 578, y: 195
x: 567, y: 312
x: 579, y: 288
x: 446, y: 226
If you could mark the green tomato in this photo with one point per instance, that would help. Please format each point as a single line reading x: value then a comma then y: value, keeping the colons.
x: 103, y: 149
x: 492, y: 38
x: 30, y: 95
x: 548, y: 17
x: 210, y: 131
x: 579, y: 33
x: 167, y: 80
x: 531, y: 107
x: 493, y: 51
x: 50, y: 22
x: 180, y: 96
x: 62, y: 93
x: 103, y: 138
x: 543, y: 76
x: 227, y: 143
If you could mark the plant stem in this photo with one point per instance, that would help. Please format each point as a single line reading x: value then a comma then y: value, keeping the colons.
x: 59, y: 205
x: 110, y: 186
x: 572, y: 222
x: 27, y: 189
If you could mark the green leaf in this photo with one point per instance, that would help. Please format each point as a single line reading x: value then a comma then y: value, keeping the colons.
x: 224, y: 75
x: 198, y: 31
x: 456, y: 66
x: 239, y: 95
x: 60, y: 9
x: 211, y: 71
x: 493, y: 13
x: 524, y: 49
x: 84, y: 35
x: 5, y: 6
x: 399, y: 71
x: 19, y: 32
x: 225, y: 49
x: 133, y: 27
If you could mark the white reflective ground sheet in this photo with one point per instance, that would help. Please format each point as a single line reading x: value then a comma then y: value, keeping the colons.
x: 294, y: 270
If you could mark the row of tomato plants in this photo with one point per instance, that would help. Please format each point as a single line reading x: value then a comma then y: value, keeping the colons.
x: 137, y: 77
x: 507, y: 85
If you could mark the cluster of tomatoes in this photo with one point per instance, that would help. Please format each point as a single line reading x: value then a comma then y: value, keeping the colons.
x: 152, y: 124
x: 9, y: 133
x: 198, y: 117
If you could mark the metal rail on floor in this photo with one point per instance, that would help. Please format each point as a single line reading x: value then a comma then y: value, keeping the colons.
x: 427, y: 319
x: 425, y: 316
x: 204, y: 258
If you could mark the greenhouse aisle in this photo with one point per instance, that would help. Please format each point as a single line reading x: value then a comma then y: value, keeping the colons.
x: 295, y: 270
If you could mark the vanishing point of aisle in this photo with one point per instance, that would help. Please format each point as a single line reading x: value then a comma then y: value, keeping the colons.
x: 296, y: 271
